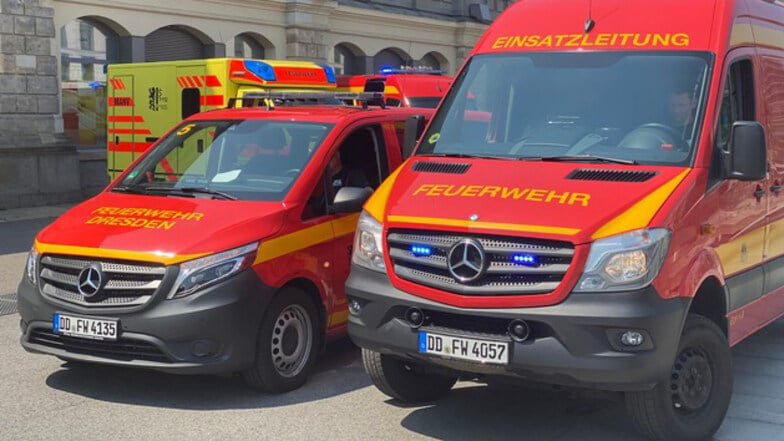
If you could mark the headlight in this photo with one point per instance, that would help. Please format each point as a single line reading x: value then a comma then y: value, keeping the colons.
x: 625, y: 262
x: 202, y: 272
x: 31, y: 269
x: 368, y: 244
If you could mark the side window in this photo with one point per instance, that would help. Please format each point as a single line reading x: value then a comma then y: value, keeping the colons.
x: 737, y: 104
x: 360, y: 161
x: 190, y: 102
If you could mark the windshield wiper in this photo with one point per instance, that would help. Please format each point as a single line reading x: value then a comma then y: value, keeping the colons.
x: 129, y: 189
x: 579, y: 158
x: 194, y: 190
x: 467, y: 155
x: 177, y: 191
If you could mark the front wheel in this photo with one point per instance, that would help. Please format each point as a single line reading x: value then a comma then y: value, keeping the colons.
x: 403, y: 380
x: 690, y: 405
x: 288, y: 341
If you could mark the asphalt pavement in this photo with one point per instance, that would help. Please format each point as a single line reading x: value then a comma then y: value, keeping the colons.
x: 43, y: 398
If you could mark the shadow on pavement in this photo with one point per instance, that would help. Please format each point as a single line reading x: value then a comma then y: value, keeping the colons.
x: 338, y: 371
x: 504, y: 411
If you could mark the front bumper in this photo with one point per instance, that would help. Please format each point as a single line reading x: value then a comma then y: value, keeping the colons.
x: 212, y: 331
x: 576, y: 342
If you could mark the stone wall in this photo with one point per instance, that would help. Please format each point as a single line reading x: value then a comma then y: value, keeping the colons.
x: 37, y: 165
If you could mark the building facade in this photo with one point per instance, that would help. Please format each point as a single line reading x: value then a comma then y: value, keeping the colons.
x: 53, y: 55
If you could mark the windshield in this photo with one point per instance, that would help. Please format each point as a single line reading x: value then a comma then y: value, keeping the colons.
x: 228, y: 159
x: 635, y: 107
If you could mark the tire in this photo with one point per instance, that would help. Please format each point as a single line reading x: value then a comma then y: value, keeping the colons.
x: 288, y: 342
x: 691, y: 404
x: 405, y: 381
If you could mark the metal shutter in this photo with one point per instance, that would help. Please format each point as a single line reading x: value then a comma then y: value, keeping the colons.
x: 171, y: 44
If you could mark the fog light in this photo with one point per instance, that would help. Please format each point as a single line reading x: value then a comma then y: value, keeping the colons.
x: 632, y: 338
x: 519, y: 330
x: 354, y: 307
x: 415, y: 317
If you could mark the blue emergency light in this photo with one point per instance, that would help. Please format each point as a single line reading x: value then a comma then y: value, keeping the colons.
x: 525, y: 259
x: 421, y: 250
x: 261, y: 70
x: 329, y: 71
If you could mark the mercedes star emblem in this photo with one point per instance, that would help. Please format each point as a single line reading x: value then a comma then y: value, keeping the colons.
x: 466, y: 260
x: 90, y: 281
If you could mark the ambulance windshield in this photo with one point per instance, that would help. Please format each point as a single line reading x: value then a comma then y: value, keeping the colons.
x: 228, y: 159
x: 635, y: 107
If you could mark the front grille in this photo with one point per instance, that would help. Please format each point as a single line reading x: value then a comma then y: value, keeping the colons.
x: 501, y: 275
x: 122, y: 350
x: 127, y: 283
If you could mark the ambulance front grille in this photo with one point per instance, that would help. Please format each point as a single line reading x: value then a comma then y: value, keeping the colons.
x: 511, y: 266
x: 125, y: 283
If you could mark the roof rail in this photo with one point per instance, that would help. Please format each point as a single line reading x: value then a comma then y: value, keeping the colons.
x: 271, y: 99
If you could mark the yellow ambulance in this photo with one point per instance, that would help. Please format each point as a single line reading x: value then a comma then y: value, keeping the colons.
x: 144, y: 100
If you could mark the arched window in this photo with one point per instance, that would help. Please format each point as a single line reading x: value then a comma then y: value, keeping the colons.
x: 83, y: 83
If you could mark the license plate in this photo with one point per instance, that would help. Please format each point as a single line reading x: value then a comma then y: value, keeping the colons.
x: 463, y: 348
x: 83, y: 327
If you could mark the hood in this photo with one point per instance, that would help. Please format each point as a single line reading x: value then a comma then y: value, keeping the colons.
x: 164, y: 229
x: 577, y: 202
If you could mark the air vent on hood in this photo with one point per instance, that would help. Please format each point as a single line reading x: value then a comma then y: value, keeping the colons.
x: 588, y: 174
x: 456, y: 168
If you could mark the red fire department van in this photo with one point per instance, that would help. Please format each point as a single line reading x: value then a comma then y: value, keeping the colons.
x: 402, y: 87
x: 235, y: 264
x: 612, y: 221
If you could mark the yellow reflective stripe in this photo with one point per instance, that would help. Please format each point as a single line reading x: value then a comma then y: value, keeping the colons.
x: 741, y: 34
x: 306, y: 237
x: 144, y: 256
x: 641, y: 213
x: 377, y: 203
x: 487, y: 225
x: 743, y: 252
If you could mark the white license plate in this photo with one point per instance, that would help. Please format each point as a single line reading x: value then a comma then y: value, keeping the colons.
x: 83, y: 327
x: 483, y: 351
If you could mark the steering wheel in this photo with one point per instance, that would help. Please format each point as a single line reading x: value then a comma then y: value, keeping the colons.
x: 654, y: 136
x: 292, y: 171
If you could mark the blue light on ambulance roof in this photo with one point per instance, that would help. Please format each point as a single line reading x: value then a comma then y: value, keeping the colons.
x: 329, y: 71
x: 261, y: 70
x: 386, y: 70
x: 525, y: 259
x: 421, y: 250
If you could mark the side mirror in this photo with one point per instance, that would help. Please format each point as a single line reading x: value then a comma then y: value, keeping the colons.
x: 350, y: 199
x: 747, y: 155
x: 415, y: 125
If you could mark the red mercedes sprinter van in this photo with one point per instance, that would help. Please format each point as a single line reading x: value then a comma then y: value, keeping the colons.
x: 614, y: 220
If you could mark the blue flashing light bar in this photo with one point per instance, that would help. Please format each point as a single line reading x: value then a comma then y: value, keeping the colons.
x: 421, y: 250
x: 329, y: 71
x: 261, y: 70
x: 525, y: 259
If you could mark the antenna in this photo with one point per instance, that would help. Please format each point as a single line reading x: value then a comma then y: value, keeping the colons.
x: 589, y: 23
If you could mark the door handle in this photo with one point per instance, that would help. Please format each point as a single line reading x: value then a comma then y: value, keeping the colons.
x: 775, y: 188
x: 759, y: 193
